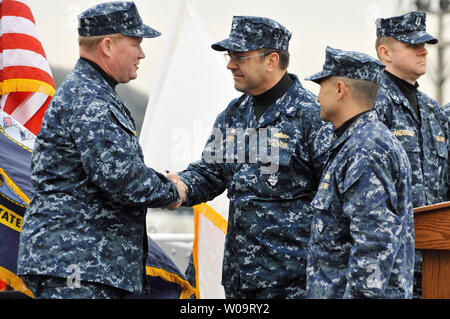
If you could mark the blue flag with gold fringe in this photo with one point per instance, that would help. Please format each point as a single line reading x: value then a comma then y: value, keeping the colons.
x: 164, y: 279
x: 15, y: 191
x: 163, y: 276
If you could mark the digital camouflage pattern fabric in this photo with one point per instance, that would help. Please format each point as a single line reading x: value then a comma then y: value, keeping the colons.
x: 114, y: 17
x: 48, y: 287
x: 349, y: 64
x: 270, y: 189
x: 408, y: 28
x: 252, y: 33
x: 424, y: 137
x: 362, y: 235
x: 91, y: 189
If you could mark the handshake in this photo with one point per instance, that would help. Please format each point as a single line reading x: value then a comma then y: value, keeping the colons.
x: 181, y: 187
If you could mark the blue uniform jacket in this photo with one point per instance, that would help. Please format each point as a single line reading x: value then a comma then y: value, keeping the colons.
x: 91, y: 188
x: 362, y: 236
x: 425, y: 139
x: 269, y: 215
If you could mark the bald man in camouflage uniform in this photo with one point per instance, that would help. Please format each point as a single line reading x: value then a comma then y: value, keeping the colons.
x: 362, y: 235
x: 84, y: 233
x: 417, y: 120
x: 269, y: 189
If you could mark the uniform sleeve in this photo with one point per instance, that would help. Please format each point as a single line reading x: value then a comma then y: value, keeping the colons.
x: 205, y: 179
x: 316, y: 139
x: 321, y: 144
x: 368, y: 195
x: 112, y: 158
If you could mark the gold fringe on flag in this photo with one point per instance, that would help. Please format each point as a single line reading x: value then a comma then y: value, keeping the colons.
x: 14, y: 282
x: 14, y: 187
x: 188, y: 290
x: 26, y: 85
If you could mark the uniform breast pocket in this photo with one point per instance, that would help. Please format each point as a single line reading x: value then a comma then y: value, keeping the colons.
x: 439, y: 142
x: 330, y: 226
x: 275, y: 177
x: 135, y: 147
x: 125, y: 136
x: 321, y: 206
x: 409, y: 141
x: 437, y: 159
x: 323, y: 198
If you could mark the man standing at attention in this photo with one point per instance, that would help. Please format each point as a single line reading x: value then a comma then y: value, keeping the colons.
x: 84, y: 232
x: 362, y: 235
x: 267, y: 149
x: 418, y: 121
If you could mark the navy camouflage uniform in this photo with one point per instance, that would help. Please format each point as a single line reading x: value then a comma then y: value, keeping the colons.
x: 269, y: 215
x: 362, y: 235
x: 447, y: 110
x: 424, y: 136
x: 91, y: 186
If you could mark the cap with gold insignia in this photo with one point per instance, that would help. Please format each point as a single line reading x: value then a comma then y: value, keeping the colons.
x: 409, y: 28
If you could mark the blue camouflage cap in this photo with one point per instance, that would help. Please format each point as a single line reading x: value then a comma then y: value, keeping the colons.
x: 114, y: 17
x: 408, y: 28
x: 349, y: 64
x: 254, y: 33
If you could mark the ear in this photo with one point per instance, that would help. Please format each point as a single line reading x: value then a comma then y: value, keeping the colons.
x: 272, y: 60
x: 341, y: 90
x: 106, y: 46
x: 384, y: 53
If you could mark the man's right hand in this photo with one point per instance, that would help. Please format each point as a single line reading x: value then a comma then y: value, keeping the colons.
x: 181, y: 188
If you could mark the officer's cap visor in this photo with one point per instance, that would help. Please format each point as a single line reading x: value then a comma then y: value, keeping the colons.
x: 143, y: 31
x: 418, y: 37
x: 319, y: 77
x: 229, y: 44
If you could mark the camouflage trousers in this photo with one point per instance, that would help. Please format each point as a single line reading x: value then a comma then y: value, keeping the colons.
x: 48, y: 287
x: 267, y: 293
x: 288, y: 292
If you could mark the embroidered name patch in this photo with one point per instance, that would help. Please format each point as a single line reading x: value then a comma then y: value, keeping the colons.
x: 404, y: 133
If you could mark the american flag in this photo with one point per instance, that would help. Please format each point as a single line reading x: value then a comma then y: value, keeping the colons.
x: 26, y: 81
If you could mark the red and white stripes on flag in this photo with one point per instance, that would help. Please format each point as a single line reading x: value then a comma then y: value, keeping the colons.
x: 26, y: 81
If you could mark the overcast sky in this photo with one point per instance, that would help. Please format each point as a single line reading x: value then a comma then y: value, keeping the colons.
x: 344, y: 24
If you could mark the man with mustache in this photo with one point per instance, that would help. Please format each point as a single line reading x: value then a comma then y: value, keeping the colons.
x: 270, y: 192
x: 84, y: 232
x: 417, y: 120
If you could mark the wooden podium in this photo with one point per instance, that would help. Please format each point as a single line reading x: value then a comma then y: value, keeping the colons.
x: 432, y: 231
